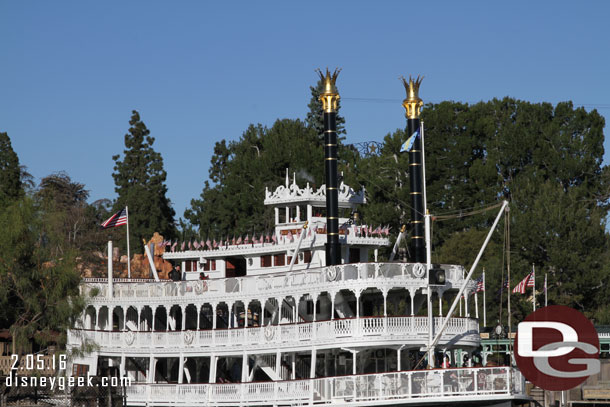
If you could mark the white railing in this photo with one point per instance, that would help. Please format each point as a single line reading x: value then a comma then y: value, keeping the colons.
x: 262, y: 284
x: 337, y: 330
x: 417, y: 387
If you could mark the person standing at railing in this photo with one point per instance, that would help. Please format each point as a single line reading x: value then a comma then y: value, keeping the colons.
x: 446, y: 362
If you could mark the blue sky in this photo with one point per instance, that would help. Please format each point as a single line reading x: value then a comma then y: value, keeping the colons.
x: 198, y: 72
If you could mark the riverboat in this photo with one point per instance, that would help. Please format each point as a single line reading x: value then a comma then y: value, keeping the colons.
x: 306, y: 316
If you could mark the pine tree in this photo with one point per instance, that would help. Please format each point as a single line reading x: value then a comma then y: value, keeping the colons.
x: 315, y: 118
x: 10, y: 172
x: 140, y: 183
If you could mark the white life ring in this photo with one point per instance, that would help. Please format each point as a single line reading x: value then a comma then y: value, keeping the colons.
x: 129, y: 337
x: 188, y: 337
x: 331, y: 273
x: 419, y: 270
x: 269, y: 332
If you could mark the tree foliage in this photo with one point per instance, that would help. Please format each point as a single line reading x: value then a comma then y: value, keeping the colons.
x: 10, y: 172
x: 547, y: 161
x: 315, y: 116
x: 140, y: 184
x: 39, y: 296
x: 241, y: 170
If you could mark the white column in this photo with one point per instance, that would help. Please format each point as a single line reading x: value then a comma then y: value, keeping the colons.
x: 278, y: 364
x: 312, y: 370
x: 277, y: 215
x: 376, y: 253
x: 309, y: 213
x: 213, y: 317
x: 332, y: 305
x: 440, y: 303
x: 122, y: 366
x: 245, y: 370
x: 151, y: 370
x: 184, y: 317
x: 294, y: 365
x: 181, y: 369
x: 412, y: 302
x: 109, y: 294
x: 213, y: 362
x: 466, y: 295
x: 385, y: 303
x: 287, y: 214
x: 476, y: 305
x: 354, y: 356
x: 298, y: 213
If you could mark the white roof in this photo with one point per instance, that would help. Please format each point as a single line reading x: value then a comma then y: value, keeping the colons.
x: 292, y: 194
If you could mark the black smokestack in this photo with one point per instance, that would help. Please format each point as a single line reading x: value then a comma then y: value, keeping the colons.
x: 412, y: 105
x: 330, y: 98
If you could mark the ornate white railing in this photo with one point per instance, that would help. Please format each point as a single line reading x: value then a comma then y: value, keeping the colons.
x: 422, y: 386
x: 263, y: 284
x: 336, y: 331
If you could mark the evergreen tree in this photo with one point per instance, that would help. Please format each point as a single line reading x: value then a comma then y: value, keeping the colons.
x: 315, y: 118
x: 232, y: 203
x: 10, y: 172
x: 39, y: 293
x: 140, y: 183
x: 546, y: 160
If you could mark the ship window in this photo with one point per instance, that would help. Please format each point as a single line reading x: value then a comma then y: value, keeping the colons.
x: 80, y: 370
x: 206, y: 266
x: 307, y: 256
x: 279, y: 260
x: 266, y: 261
x: 190, y: 265
x: 213, y: 264
x: 354, y: 255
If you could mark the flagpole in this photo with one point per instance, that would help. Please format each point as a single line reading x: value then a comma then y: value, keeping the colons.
x: 128, y: 253
x: 484, y: 304
x: 534, y: 286
x: 546, y: 291
x: 508, y: 267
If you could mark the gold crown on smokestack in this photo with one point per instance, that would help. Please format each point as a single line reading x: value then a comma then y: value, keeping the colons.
x: 412, y: 103
x: 329, y: 96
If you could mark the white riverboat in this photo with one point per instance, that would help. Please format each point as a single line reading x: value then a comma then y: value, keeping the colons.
x: 276, y: 323
x: 274, y: 326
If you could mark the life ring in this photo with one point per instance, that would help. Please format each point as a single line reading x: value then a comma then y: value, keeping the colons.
x: 188, y: 337
x: 129, y: 337
x: 419, y: 270
x: 331, y: 273
x: 269, y: 332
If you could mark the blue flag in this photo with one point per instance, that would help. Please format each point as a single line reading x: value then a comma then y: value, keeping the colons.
x: 408, y: 145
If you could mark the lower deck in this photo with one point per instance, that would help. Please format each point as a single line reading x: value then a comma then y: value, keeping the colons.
x: 476, y: 386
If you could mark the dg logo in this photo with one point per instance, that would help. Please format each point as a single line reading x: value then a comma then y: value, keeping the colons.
x: 557, y: 348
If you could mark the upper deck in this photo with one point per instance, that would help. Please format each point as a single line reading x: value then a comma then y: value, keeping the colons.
x: 359, y: 276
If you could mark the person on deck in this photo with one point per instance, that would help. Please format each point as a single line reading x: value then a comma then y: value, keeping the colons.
x: 175, y: 274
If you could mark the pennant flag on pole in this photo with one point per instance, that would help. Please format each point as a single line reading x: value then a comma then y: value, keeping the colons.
x: 408, y: 145
x: 118, y: 219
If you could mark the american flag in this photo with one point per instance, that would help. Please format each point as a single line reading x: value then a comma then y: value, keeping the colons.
x: 118, y: 219
x: 528, y: 281
x: 480, y: 285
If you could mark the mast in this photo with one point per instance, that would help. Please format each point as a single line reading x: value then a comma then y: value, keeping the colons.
x: 413, y: 105
x: 330, y: 99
